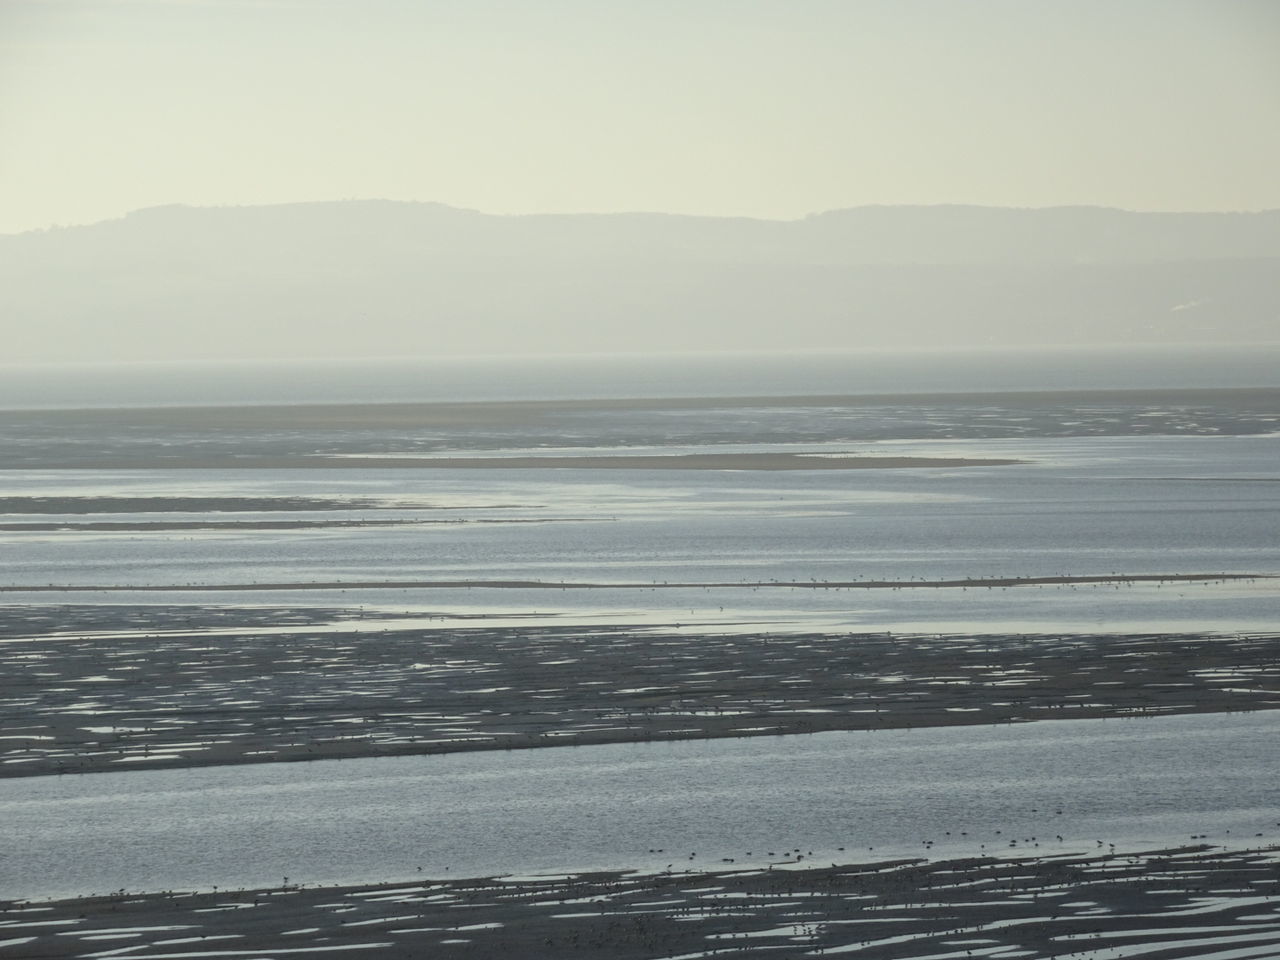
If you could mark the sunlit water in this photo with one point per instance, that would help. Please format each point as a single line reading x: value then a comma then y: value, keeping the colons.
x: 1077, y: 507
x: 1137, y: 784
x: 690, y: 551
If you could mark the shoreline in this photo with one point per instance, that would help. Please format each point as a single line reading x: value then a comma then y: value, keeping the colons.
x: 457, y: 411
x: 1157, y: 903
x: 974, y: 582
x: 888, y: 722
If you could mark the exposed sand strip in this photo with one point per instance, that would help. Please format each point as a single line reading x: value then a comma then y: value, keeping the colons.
x: 121, y: 697
x: 689, y: 461
x: 976, y: 582
x: 57, y: 506
x: 118, y: 526
x: 487, y: 412
x: 173, y: 504
x: 109, y: 526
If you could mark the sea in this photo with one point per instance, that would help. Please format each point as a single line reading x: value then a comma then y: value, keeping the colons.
x: 1033, y: 789
x: 1121, y: 491
x: 672, y: 374
x: 1128, y: 463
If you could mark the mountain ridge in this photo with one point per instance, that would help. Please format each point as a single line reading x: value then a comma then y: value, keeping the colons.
x: 1263, y: 225
x: 353, y: 278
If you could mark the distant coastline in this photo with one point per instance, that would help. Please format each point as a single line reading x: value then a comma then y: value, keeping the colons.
x: 640, y: 377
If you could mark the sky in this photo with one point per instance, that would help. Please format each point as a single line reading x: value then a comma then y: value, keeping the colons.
x: 760, y: 108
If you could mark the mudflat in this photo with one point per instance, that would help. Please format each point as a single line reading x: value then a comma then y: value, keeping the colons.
x: 1162, y: 905
x: 381, y: 688
x: 125, y: 685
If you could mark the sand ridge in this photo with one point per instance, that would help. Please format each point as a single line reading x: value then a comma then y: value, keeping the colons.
x: 674, y: 461
x: 187, y: 695
x: 990, y: 583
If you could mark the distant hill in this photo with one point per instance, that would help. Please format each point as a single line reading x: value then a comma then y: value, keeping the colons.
x: 377, y: 278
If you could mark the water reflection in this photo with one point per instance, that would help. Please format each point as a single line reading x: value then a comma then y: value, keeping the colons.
x: 824, y: 798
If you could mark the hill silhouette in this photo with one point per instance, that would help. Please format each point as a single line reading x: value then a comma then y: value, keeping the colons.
x: 377, y: 278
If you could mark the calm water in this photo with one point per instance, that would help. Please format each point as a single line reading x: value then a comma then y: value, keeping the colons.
x: 659, y: 375
x: 1080, y: 506
x: 1139, y: 784
x: 1157, y: 487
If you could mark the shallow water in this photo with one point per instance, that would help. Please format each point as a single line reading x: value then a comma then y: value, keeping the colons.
x: 1079, y: 506
x: 1107, y: 486
x: 1138, y: 784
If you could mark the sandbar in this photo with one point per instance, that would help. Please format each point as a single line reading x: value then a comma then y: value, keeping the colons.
x: 689, y: 461
x: 120, y: 526
x: 159, y: 685
x: 964, y: 584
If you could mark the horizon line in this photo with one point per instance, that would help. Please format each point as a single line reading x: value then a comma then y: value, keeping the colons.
x: 803, y: 218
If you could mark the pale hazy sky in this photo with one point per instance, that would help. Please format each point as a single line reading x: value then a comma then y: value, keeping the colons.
x: 768, y: 108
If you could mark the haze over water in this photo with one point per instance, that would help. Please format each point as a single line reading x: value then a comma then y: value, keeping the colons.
x: 732, y: 435
x: 799, y: 373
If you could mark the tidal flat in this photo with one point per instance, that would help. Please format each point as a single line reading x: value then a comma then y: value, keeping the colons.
x: 114, y: 693
x: 230, y: 587
x: 1182, y: 902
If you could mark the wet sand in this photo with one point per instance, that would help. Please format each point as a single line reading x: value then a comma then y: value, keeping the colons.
x: 77, y: 505
x: 976, y: 583
x: 120, y: 526
x: 392, y: 433
x: 689, y: 461
x: 1163, y: 905
x: 186, y: 689
x: 483, y: 413
x: 122, y: 504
